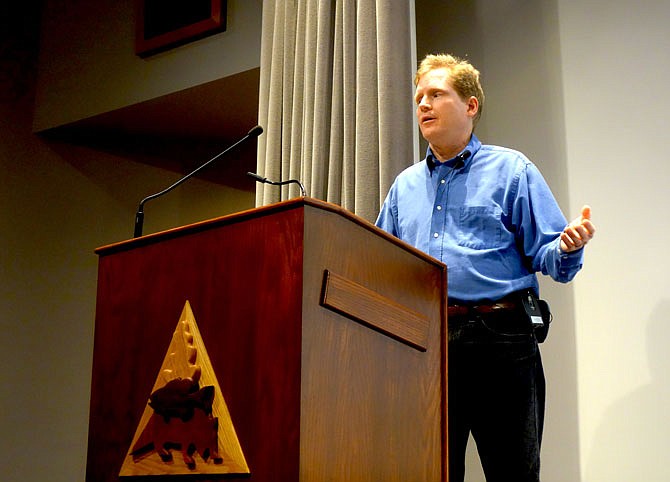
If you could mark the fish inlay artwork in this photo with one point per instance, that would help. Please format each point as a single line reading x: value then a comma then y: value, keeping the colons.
x: 186, y: 414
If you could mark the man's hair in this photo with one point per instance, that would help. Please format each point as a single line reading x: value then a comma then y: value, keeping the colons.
x: 463, y: 76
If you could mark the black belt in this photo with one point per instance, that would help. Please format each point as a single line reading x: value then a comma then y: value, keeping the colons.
x: 508, y: 304
x: 501, y: 317
x: 507, y: 315
x: 457, y: 310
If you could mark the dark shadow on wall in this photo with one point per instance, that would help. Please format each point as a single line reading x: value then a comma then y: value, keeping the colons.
x: 447, y: 28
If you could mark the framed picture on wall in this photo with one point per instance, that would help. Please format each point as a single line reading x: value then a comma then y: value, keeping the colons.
x: 164, y: 24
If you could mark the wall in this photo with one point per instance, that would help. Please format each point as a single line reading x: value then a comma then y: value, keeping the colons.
x: 88, y: 67
x: 578, y: 86
x: 615, y: 70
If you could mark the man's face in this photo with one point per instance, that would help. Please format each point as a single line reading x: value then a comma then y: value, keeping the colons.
x: 444, y: 118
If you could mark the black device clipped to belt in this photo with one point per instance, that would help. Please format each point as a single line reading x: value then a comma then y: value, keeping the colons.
x: 538, y: 312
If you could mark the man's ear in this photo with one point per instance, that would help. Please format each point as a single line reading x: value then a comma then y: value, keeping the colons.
x: 473, y: 106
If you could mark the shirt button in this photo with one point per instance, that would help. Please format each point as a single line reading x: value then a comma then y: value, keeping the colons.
x: 436, y: 235
x: 439, y: 208
x: 443, y: 181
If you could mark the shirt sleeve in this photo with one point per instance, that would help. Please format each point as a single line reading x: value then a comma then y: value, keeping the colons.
x: 564, y: 266
x: 388, y: 215
x: 539, y: 223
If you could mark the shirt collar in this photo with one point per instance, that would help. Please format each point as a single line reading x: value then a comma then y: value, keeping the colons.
x: 472, y: 147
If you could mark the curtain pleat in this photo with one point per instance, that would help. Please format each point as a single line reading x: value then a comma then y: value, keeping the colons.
x: 335, y: 99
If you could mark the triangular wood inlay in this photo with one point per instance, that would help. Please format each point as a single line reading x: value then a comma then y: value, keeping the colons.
x: 186, y: 427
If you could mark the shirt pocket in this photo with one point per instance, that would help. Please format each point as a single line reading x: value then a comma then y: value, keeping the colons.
x: 479, y: 227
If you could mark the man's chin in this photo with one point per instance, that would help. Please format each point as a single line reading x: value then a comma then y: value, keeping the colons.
x: 430, y: 133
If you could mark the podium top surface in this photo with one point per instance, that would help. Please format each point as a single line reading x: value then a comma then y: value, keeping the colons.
x: 297, y: 203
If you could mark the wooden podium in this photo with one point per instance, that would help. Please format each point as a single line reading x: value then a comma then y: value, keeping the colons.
x: 326, y: 336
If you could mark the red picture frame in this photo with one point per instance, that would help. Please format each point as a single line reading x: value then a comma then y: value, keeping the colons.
x: 164, y: 24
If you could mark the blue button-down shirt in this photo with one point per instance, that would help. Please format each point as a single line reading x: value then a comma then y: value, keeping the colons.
x: 491, y: 218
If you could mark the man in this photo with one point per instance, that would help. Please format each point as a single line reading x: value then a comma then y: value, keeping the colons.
x: 489, y: 215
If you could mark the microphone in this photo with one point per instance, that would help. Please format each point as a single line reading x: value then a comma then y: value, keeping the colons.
x: 265, y: 180
x: 461, y: 158
x: 139, y: 216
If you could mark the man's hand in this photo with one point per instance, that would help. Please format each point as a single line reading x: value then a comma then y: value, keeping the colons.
x: 578, y: 232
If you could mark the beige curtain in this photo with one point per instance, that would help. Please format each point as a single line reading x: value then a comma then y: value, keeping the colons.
x: 336, y: 99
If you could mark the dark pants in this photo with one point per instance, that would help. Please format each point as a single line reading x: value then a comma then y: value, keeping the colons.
x: 497, y: 392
